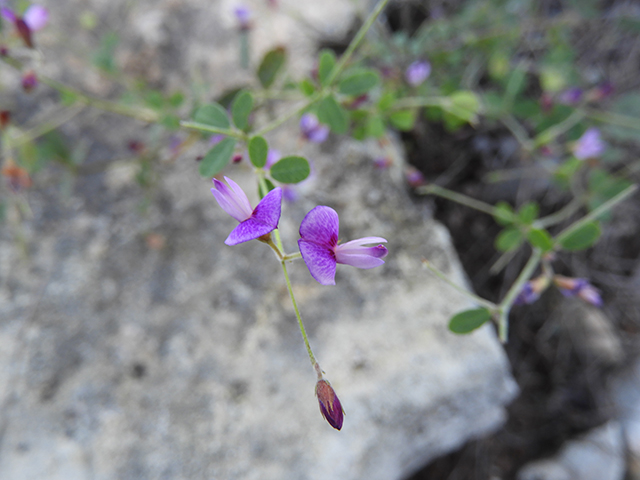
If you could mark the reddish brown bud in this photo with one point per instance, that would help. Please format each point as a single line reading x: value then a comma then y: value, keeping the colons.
x: 330, y: 406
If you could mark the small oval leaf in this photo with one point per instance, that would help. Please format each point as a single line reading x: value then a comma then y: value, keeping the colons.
x: 582, y: 238
x: 503, y: 214
x: 331, y: 113
x: 325, y: 65
x: 359, y: 82
x: 541, y: 239
x: 290, y: 170
x: 217, y: 158
x: 271, y: 64
x: 241, y: 109
x: 528, y: 213
x: 508, y: 239
x: 469, y: 320
x: 212, y: 114
x: 258, y: 151
x: 403, y: 119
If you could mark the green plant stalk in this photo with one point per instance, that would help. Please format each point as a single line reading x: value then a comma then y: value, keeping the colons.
x: 458, y: 198
x: 517, y: 130
x: 344, y: 59
x: 44, y: 128
x: 565, y: 212
x: 507, y: 302
x: 295, y: 308
x: 613, y: 118
x: 291, y: 114
x: 627, y: 192
x: 558, y: 129
x: 417, y: 102
x: 479, y: 300
x: 203, y: 127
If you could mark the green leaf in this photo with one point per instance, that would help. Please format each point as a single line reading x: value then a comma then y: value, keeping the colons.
x: 217, y: 158
x: 386, y: 101
x: 170, y: 121
x: 331, y: 113
x: 541, y: 239
x: 104, y: 57
x: 403, y: 119
x: 504, y: 214
x: 307, y: 87
x: 359, y: 82
x: 258, y: 151
x: 212, y: 114
x: 375, y: 126
x: 325, y: 65
x: 582, y: 238
x: 464, y: 105
x: 290, y: 170
x: 508, y: 239
x: 469, y: 320
x: 176, y: 99
x: 241, y: 109
x: 271, y: 64
x: 528, y: 213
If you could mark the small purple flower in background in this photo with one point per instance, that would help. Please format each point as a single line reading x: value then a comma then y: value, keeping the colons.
x: 532, y: 290
x: 580, y: 287
x: 330, y: 405
x: 272, y: 157
x: 215, y: 139
x: 414, y: 177
x: 571, y: 96
x: 601, y: 92
x: 253, y: 223
x: 589, y: 145
x: 382, y: 163
x: 35, y: 18
x: 417, y: 72
x: 312, y: 129
x: 243, y: 15
x: 29, y: 81
x: 320, y: 250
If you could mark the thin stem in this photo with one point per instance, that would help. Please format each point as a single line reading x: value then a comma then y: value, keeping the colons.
x: 44, y: 128
x: 512, y: 294
x: 565, y: 212
x: 291, y: 114
x: 295, y: 308
x: 479, y: 300
x: 339, y: 67
x: 416, y: 102
x: 627, y: 192
x: 292, y: 256
x: 458, y: 198
x: 613, y: 118
x: 558, y: 129
x: 211, y: 129
x: 517, y: 130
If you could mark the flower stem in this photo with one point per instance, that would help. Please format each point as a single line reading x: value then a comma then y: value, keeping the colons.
x: 346, y: 56
x: 479, y: 300
x: 458, y: 198
x: 627, y: 192
x: 211, y: 129
x: 295, y: 308
x: 507, y: 302
x: 558, y: 129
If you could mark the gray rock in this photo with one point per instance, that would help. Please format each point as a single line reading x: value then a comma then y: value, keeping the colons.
x: 598, y: 455
x: 135, y: 345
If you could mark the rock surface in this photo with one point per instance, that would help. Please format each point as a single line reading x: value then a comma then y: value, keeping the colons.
x: 135, y: 345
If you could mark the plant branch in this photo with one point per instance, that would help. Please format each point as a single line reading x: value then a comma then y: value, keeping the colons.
x: 458, y: 198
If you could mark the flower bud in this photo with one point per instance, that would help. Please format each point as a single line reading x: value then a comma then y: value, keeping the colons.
x: 330, y: 406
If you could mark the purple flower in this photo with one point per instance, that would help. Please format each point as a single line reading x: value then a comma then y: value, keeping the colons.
x: 312, y: 129
x: 35, y: 18
x: 417, y: 72
x: 29, y: 81
x: 580, y: 287
x: 601, y: 92
x: 571, y: 96
x: 243, y: 15
x: 589, y: 145
x: 253, y: 223
x: 532, y: 290
x: 320, y: 250
x: 414, y: 177
x: 330, y: 406
x: 215, y: 139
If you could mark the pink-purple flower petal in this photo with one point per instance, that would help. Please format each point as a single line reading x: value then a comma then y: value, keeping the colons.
x: 36, y: 17
x: 232, y: 199
x: 8, y: 14
x: 320, y: 261
x: 321, y: 226
x: 268, y: 210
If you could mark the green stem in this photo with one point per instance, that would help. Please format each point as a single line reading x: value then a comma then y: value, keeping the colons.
x: 596, y: 213
x: 417, y: 102
x: 613, y: 118
x: 292, y: 256
x: 458, y: 198
x: 505, y: 306
x: 565, y: 212
x: 295, y: 308
x: 339, y: 67
x: 517, y: 130
x: 291, y: 114
x: 558, y: 129
x: 479, y: 300
x: 203, y: 127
